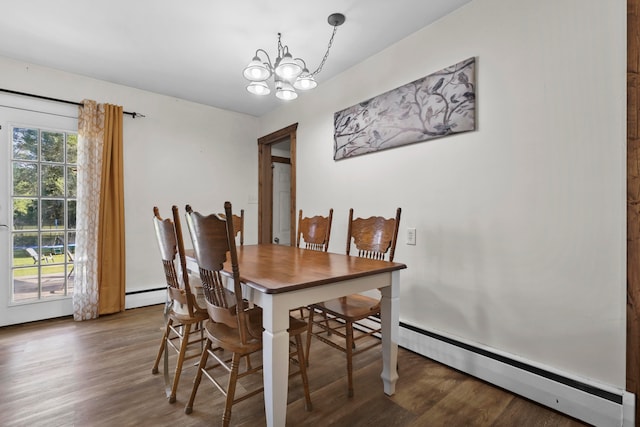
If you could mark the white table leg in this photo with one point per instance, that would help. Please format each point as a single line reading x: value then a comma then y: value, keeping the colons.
x: 390, y: 323
x: 275, y: 360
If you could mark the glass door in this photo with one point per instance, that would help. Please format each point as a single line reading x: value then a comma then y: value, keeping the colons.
x: 37, y: 213
x: 43, y: 197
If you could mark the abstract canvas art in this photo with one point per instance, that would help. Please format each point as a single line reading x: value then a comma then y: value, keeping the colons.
x: 440, y: 104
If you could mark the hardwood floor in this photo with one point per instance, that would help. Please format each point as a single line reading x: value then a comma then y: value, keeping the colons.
x: 98, y: 373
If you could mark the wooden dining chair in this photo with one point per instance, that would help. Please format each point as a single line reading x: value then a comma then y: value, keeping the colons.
x: 234, y: 329
x: 313, y: 233
x: 184, y: 318
x: 349, y: 319
x: 238, y: 225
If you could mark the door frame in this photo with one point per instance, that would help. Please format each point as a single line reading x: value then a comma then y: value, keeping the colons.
x: 633, y: 208
x: 36, y: 116
x: 265, y: 182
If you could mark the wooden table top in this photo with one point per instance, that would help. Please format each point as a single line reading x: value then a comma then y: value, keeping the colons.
x: 274, y: 269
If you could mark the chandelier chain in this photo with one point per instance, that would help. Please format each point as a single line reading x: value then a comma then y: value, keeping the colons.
x: 326, y: 55
x: 280, y: 47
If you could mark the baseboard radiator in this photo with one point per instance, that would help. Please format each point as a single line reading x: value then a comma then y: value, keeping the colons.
x: 145, y: 297
x: 592, y: 403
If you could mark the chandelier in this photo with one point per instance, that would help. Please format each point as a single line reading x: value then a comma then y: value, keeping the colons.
x: 288, y: 73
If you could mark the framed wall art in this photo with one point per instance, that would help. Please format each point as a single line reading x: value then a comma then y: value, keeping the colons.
x: 440, y: 104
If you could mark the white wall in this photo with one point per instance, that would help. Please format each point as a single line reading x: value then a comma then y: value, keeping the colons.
x: 181, y: 152
x: 521, y: 223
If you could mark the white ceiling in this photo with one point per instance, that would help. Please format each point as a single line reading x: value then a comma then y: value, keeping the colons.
x: 196, y: 49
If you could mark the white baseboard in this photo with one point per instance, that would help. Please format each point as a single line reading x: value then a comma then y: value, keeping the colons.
x: 143, y: 299
x: 595, y: 404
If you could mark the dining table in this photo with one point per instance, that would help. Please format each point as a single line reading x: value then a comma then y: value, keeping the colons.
x: 279, y: 278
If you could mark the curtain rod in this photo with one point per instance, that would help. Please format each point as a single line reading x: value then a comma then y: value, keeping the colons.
x: 134, y: 114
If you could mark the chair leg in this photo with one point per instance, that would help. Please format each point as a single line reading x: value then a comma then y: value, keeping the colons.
x: 349, y: 348
x: 312, y: 313
x: 196, y: 382
x: 201, y: 327
x: 231, y: 389
x: 326, y: 323
x: 303, y: 372
x: 154, y: 370
x: 183, y: 350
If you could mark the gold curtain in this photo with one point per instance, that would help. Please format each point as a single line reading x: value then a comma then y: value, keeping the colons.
x: 111, y: 248
x: 99, y: 283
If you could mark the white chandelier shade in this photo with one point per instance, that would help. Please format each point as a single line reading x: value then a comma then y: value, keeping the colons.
x: 256, y: 70
x: 285, y: 91
x: 288, y: 73
x: 288, y: 68
x: 259, y: 88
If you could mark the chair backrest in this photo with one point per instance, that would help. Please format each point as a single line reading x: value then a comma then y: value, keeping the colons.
x: 314, y: 232
x: 170, y: 242
x: 213, y: 237
x: 238, y: 225
x: 373, y: 237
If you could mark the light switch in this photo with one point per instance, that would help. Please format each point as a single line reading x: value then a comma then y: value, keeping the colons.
x: 411, y: 236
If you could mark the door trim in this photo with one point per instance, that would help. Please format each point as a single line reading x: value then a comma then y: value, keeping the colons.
x: 633, y: 195
x: 265, y: 182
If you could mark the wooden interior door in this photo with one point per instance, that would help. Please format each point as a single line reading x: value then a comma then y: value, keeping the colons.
x: 265, y: 182
x: 281, y: 194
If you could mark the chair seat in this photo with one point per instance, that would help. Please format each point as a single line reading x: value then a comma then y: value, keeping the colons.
x: 296, y: 326
x: 228, y: 338
x: 199, y: 315
x: 351, y: 308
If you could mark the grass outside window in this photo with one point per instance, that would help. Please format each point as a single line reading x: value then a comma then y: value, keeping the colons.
x: 31, y: 269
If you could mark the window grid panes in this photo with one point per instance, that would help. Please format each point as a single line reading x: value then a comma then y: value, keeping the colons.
x: 44, y: 183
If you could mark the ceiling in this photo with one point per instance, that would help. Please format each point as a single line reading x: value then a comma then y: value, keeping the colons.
x: 196, y: 49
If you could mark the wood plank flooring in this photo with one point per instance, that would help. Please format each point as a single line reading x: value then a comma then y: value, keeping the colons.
x: 98, y: 373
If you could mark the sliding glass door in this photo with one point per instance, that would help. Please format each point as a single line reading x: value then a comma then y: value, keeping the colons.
x: 43, y: 192
x: 37, y: 214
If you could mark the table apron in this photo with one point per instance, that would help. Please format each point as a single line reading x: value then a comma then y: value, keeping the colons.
x: 292, y: 299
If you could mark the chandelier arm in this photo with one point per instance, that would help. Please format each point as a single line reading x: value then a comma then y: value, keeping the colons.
x: 304, y: 64
x: 268, y: 58
x: 326, y: 55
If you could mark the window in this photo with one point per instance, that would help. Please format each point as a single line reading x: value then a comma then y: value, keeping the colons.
x: 43, y: 196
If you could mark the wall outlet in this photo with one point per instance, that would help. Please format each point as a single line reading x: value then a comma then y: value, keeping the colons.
x: 411, y: 236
